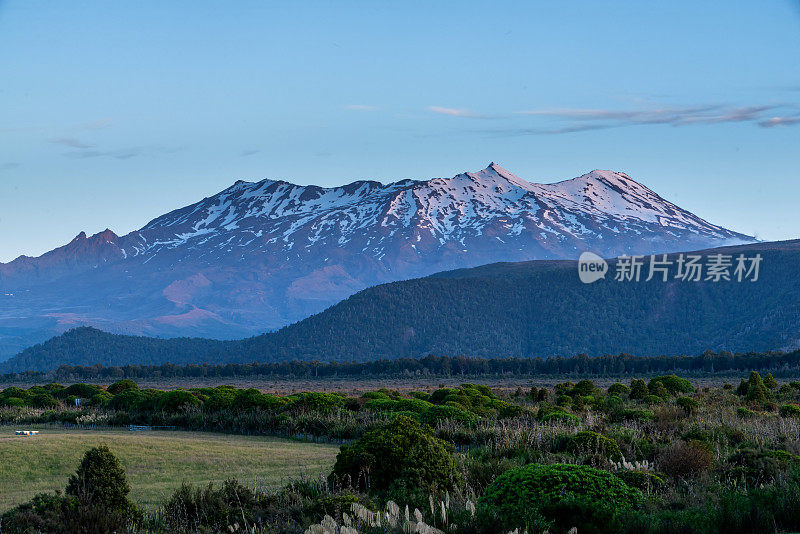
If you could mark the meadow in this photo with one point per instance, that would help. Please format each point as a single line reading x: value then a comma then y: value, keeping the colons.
x: 156, y: 462
x: 661, y: 455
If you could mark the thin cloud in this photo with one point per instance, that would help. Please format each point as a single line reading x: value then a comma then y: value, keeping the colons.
x: 583, y: 119
x: 8, y: 166
x: 98, y: 124
x: 361, y: 107
x: 245, y: 153
x: 123, y: 153
x: 453, y: 112
x: 779, y: 121
x: 70, y: 142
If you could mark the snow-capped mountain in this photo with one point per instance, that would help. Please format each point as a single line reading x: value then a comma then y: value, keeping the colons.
x: 257, y: 256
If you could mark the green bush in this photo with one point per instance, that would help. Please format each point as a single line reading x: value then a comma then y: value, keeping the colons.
x: 83, y: 391
x: 512, y: 497
x: 121, y: 385
x: 563, y: 418
x: 641, y: 480
x: 44, y: 400
x: 220, y: 399
x: 618, y: 389
x: 313, y: 401
x: 131, y: 400
x: 672, y: 383
x: 789, y: 410
x: 587, y: 442
x: 756, y: 391
x: 402, y: 453
x: 638, y: 389
x: 249, y: 399
x: 101, y: 489
x: 446, y: 413
x: 688, y: 404
x: 653, y: 400
x: 172, y: 401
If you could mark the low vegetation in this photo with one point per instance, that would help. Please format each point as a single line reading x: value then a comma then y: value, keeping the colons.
x: 646, y: 456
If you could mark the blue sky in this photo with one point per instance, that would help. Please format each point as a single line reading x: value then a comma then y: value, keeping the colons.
x: 112, y: 113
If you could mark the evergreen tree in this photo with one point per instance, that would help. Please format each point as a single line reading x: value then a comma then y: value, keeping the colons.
x: 756, y: 391
x: 638, y: 389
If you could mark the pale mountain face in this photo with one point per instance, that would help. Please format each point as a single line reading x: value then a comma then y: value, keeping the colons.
x: 257, y: 256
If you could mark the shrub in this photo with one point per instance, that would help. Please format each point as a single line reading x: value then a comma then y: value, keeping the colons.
x: 583, y: 388
x: 400, y: 453
x: 252, y: 398
x: 641, y: 480
x: 756, y: 391
x: 563, y: 418
x: 83, y: 391
x: 789, y: 410
x: 654, y: 400
x: 211, y: 510
x: 770, y: 382
x: 755, y: 466
x: 744, y: 413
x: 685, y: 459
x: 688, y: 404
x: 219, y: 399
x: 638, y: 389
x: 618, y: 389
x: 312, y: 401
x: 450, y: 413
x: 592, y: 443
x: 131, y: 400
x: 672, y: 383
x: 518, y: 492
x: 101, y: 488
x: 44, y: 400
x: 172, y: 401
x: 121, y: 385
x: 43, y: 513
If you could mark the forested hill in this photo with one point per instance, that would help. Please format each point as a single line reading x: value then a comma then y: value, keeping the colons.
x: 523, y: 309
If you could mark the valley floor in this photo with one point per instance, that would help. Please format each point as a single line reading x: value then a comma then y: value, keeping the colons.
x: 156, y: 462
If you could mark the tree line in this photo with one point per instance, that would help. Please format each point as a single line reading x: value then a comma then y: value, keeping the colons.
x: 779, y: 363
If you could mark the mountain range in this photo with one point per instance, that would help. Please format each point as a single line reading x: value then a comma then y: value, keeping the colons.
x: 522, y: 309
x: 258, y: 256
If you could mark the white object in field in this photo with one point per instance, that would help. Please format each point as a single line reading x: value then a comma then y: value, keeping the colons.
x: 26, y: 432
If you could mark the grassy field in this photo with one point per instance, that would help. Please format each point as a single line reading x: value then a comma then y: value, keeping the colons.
x: 156, y: 462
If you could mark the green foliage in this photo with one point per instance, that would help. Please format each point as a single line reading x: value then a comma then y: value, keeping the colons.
x: 44, y: 400
x: 583, y: 388
x: 618, y: 389
x: 121, y: 385
x: 638, y: 389
x: 249, y: 399
x: 770, y: 382
x: 312, y: 401
x: 403, y: 453
x: 514, y: 494
x: 756, y: 391
x: 641, y: 480
x: 83, y: 391
x: 173, y: 401
x: 789, y: 410
x: 688, y: 404
x: 52, y: 513
x: 587, y: 442
x: 101, y: 489
x: 653, y: 400
x: 132, y: 400
x: 672, y: 384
